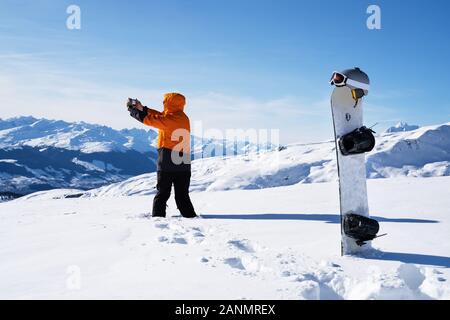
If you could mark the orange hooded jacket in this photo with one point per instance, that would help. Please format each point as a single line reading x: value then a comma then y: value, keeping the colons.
x: 173, y: 124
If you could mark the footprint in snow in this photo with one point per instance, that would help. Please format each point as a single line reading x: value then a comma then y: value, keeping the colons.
x: 243, y: 245
x: 179, y: 240
x: 176, y: 232
x: 204, y: 260
x: 162, y: 225
x: 197, y: 237
x: 235, y: 263
x: 163, y: 239
x: 286, y: 273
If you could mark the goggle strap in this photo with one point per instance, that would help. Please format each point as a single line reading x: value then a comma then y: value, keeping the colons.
x: 358, y: 84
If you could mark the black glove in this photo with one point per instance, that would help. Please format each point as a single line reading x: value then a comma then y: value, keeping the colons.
x: 137, y: 114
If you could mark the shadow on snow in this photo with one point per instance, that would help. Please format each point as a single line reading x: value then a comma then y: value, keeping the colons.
x: 328, y: 218
x: 413, y: 258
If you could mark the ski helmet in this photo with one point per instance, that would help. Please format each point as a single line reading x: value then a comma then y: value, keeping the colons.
x: 353, y: 78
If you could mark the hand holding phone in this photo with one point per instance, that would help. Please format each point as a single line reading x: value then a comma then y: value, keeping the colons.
x: 134, y: 104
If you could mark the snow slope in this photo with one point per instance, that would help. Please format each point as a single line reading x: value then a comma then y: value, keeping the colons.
x: 424, y: 152
x: 277, y: 243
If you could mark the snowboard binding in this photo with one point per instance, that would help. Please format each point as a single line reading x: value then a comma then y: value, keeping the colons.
x: 360, y: 228
x: 358, y: 141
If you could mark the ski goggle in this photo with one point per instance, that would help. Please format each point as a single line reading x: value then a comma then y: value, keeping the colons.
x: 340, y: 80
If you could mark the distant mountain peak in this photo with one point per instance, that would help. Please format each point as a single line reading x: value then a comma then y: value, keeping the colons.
x: 17, y: 122
x: 402, y: 127
x: 21, y: 118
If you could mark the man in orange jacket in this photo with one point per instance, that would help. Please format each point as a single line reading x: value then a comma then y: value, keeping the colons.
x: 174, y: 155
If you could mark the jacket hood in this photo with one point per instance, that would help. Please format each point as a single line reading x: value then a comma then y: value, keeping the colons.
x: 174, y: 102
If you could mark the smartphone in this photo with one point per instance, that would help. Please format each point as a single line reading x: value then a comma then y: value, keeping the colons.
x: 131, y: 102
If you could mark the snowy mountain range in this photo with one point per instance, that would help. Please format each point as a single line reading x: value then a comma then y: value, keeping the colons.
x: 424, y: 152
x: 42, y: 154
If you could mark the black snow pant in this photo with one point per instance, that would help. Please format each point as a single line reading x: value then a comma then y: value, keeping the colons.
x: 180, y: 181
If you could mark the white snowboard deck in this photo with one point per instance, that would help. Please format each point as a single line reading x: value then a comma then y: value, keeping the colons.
x: 351, y: 168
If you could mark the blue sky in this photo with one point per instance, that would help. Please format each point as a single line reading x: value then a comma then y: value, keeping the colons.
x: 242, y: 64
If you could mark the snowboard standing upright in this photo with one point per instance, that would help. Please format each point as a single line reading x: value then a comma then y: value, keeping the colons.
x: 352, y: 141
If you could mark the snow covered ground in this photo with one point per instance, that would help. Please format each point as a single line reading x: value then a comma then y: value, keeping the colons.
x: 273, y: 243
